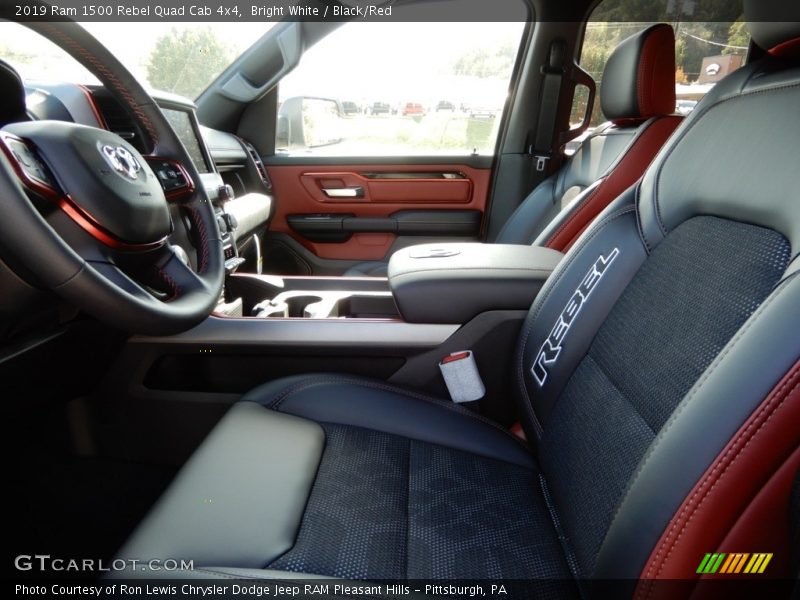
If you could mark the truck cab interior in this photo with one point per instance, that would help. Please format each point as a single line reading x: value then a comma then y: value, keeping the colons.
x: 565, y: 357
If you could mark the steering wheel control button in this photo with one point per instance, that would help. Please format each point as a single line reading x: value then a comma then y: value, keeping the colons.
x: 171, y: 177
x: 31, y: 165
x: 28, y: 165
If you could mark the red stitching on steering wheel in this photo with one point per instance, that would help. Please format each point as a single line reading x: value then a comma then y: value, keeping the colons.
x: 202, y: 232
x: 107, y: 74
x: 174, y: 288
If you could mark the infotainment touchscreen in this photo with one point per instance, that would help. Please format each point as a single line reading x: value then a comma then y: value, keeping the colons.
x: 182, y: 124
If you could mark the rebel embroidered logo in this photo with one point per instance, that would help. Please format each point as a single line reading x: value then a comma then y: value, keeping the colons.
x: 551, y: 348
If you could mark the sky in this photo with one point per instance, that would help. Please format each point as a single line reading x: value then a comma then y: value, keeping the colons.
x: 400, y: 62
x: 405, y: 61
x: 130, y: 42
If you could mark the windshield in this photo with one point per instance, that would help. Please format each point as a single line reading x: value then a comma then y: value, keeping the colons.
x: 182, y: 58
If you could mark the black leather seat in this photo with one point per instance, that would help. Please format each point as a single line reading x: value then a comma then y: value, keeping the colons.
x: 12, y: 96
x: 637, y: 94
x: 658, y: 379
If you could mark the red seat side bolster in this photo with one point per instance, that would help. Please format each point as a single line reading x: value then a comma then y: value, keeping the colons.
x: 625, y: 173
x: 717, y: 510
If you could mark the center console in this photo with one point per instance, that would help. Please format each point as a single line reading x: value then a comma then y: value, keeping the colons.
x: 439, y: 300
x: 453, y: 283
x: 429, y: 283
x: 270, y: 296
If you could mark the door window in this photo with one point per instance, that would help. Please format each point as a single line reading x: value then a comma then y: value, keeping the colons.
x: 388, y: 89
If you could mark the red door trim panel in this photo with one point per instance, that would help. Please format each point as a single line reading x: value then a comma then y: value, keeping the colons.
x: 298, y: 191
x: 398, y: 191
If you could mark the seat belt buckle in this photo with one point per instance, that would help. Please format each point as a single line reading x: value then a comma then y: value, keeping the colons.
x: 541, y: 160
x: 461, y: 376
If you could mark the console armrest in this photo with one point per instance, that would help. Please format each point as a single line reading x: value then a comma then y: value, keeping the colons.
x: 452, y: 283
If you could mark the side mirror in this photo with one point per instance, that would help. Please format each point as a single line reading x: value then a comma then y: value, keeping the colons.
x: 306, y: 122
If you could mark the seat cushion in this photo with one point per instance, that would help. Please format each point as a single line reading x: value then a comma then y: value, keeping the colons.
x: 388, y: 507
x: 373, y: 482
x: 239, y: 500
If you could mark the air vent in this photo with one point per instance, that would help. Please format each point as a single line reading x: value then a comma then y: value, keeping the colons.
x: 262, y: 171
x: 118, y: 120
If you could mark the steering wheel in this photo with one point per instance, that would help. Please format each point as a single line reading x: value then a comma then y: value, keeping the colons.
x: 86, y: 216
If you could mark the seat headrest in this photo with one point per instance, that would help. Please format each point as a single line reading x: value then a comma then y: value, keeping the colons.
x: 12, y: 95
x: 775, y: 26
x: 639, y: 78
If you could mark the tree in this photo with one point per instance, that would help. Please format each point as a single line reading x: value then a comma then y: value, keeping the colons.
x: 702, y: 27
x: 15, y: 55
x: 186, y: 61
x: 738, y: 39
x: 486, y: 63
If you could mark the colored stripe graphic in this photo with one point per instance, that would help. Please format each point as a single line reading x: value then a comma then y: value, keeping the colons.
x: 740, y: 565
x: 725, y: 568
x: 703, y: 563
x: 758, y: 563
x: 767, y: 558
x: 717, y: 563
x: 736, y: 562
x: 711, y: 563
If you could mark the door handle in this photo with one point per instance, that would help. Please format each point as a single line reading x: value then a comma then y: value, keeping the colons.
x: 345, y: 192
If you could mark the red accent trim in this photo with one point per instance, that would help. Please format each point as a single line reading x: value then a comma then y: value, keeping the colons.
x: 101, y: 121
x: 786, y: 49
x: 88, y: 223
x: 655, y: 81
x: 79, y: 215
x: 454, y: 357
x: 518, y: 431
x: 760, y: 525
x: 722, y: 504
x: 628, y: 171
x: 293, y: 197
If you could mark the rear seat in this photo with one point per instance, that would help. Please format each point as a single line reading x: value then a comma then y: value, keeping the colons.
x: 637, y: 95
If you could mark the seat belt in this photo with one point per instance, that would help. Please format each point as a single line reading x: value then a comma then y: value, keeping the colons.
x: 540, y: 147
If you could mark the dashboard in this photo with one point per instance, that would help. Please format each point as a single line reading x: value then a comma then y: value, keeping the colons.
x: 229, y: 167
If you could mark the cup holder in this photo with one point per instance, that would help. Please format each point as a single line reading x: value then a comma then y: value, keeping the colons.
x: 303, y: 306
x: 287, y: 304
x: 327, y: 305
